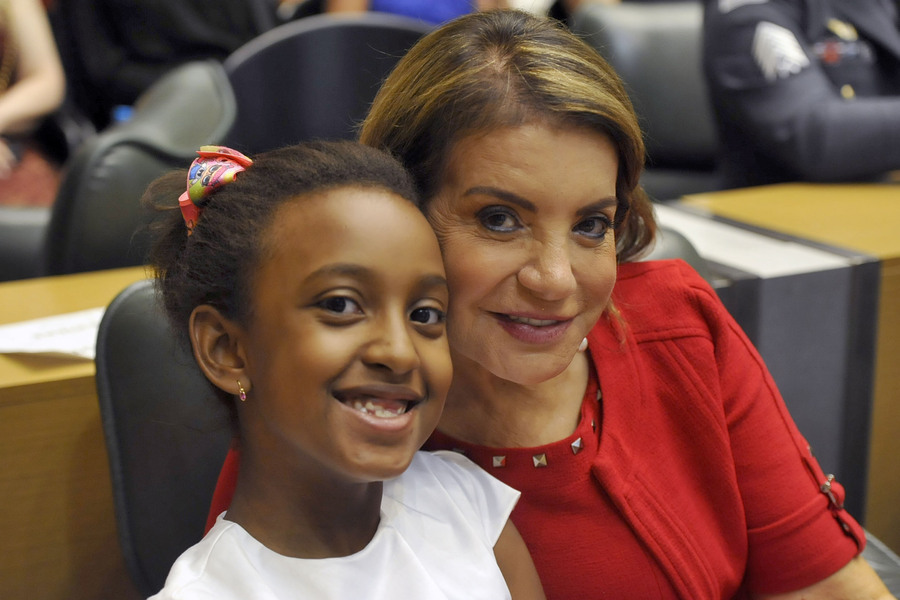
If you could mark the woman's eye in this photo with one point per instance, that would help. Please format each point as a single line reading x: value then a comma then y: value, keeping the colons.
x: 595, y: 227
x: 498, y: 219
x: 340, y: 305
x: 427, y: 316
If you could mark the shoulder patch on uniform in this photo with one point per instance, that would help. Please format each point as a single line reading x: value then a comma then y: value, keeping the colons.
x: 777, y: 51
x: 726, y: 6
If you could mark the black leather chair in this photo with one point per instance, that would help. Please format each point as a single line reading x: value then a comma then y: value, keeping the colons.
x: 95, y: 220
x: 167, y: 434
x: 314, y: 77
x: 656, y: 49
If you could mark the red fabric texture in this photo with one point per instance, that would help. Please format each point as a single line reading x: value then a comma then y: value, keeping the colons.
x: 698, y: 460
x: 225, y: 486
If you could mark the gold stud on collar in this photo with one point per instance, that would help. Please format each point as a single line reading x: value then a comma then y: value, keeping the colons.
x: 540, y: 460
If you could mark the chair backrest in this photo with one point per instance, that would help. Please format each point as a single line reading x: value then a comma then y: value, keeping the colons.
x: 671, y: 243
x: 656, y: 47
x: 166, y: 431
x: 314, y: 77
x: 97, y: 217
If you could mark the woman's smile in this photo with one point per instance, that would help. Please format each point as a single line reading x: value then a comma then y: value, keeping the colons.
x: 533, y: 331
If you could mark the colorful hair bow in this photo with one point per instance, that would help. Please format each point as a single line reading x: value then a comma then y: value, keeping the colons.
x: 214, y: 167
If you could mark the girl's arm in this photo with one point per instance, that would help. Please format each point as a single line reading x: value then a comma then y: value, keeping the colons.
x: 516, y: 565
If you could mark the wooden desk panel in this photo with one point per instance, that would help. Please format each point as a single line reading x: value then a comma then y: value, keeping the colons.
x: 883, y: 506
x: 56, y: 514
x: 865, y: 218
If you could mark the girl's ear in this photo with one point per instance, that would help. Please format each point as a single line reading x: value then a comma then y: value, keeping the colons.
x: 218, y: 349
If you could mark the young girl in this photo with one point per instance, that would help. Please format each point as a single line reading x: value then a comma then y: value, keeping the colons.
x: 312, y: 292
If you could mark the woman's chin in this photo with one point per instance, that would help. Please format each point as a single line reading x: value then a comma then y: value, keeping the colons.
x: 532, y: 369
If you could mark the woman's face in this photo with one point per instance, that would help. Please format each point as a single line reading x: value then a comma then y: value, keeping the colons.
x: 346, y: 345
x: 524, y: 218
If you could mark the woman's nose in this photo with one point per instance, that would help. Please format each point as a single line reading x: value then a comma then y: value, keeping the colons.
x: 392, y: 346
x: 548, y: 272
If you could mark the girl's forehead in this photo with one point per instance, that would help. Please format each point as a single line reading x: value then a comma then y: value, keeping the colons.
x: 348, y: 222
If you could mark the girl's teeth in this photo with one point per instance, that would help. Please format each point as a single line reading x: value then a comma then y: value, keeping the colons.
x: 533, y: 322
x: 370, y: 408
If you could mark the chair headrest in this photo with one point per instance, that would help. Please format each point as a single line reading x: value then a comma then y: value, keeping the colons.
x: 656, y: 48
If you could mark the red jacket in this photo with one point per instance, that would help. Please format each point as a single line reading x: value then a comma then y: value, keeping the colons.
x: 697, y: 455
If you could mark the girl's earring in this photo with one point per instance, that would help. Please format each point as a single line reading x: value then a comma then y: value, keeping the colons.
x: 583, y: 345
x: 241, y: 393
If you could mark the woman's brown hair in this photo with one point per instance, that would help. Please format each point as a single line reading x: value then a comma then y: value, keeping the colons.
x: 494, y: 69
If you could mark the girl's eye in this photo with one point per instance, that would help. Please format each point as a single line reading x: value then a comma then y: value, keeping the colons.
x: 595, y: 227
x: 340, y: 305
x: 427, y: 316
x: 498, y: 218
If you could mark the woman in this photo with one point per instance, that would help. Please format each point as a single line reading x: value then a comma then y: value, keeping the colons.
x: 657, y: 460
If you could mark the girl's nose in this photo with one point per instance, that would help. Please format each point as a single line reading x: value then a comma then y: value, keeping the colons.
x: 392, y: 346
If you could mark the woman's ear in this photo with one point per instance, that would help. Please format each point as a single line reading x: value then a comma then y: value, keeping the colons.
x: 218, y: 349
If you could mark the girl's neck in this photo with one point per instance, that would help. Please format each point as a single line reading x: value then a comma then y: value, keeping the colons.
x: 486, y: 410
x: 301, y: 516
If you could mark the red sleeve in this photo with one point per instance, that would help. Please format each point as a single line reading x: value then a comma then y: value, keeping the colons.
x: 793, y: 509
x: 225, y: 485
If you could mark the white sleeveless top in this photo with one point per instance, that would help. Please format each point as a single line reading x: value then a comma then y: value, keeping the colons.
x: 439, y: 522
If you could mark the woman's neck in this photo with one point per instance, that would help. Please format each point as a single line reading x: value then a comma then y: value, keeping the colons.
x: 304, y: 517
x: 486, y: 410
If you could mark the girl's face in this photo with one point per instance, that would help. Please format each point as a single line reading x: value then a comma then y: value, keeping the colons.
x: 524, y: 218
x: 346, y: 347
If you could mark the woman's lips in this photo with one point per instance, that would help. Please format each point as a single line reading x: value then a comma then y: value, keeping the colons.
x: 532, y: 330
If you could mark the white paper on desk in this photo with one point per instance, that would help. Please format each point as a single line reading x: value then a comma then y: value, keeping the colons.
x: 71, y: 335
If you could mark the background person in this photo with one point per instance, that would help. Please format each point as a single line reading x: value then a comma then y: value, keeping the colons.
x: 431, y: 11
x: 32, y: 86
x: 804, y: 90
x: 324, y: 331
x: 116, y: 50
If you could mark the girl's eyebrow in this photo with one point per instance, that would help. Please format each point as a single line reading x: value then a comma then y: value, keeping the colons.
x: 366, y: 274
x: 592, y: 208
x: 350, y: 269
x: 433, y: 281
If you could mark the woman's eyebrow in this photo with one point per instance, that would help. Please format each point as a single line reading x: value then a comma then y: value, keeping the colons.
x: 592, y: 208
x: 598, y: 206
x: 502, y: 195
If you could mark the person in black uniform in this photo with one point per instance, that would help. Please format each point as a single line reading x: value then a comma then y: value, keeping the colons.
x: 804, y: 90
